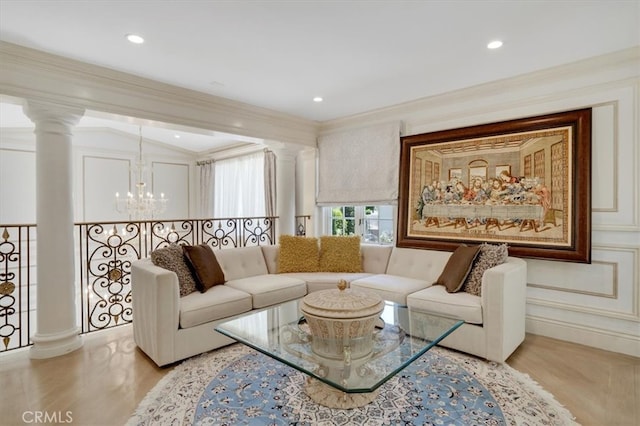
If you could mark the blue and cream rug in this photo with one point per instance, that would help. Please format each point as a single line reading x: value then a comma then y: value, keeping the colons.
x: 239, y: 386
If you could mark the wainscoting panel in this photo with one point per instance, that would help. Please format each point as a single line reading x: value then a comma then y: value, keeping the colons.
x: 102, y: 177
x: 609, y: 286
x: 615, y: 162
x: 598, y: 279
x: 172, y: 179
x: 604, y: 175
x: 18, y: 189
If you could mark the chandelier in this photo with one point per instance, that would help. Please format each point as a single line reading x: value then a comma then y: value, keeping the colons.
x: 141, y: 205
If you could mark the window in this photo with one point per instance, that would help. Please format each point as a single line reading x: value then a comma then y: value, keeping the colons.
x: 376, y: 224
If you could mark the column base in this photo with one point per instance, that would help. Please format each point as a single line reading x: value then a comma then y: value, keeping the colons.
x: 52, y: 345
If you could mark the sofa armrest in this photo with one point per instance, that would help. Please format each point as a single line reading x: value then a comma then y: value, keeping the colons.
x: 504, y: 304
x: 156, y: 310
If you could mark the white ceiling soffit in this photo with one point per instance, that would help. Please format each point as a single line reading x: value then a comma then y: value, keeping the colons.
x: 194, y: 140
x: 357, y: 55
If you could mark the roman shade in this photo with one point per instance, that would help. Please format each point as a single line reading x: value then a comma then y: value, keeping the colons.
x: 359, y: 166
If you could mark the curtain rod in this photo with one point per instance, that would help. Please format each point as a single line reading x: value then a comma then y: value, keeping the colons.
x: 203, y: 162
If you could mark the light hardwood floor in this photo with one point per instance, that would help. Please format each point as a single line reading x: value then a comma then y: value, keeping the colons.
x: 104, y: 381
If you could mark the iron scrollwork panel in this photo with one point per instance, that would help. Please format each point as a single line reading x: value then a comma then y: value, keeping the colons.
x: 258, y: 231
x: 220, y: 233
x: 108, y: 280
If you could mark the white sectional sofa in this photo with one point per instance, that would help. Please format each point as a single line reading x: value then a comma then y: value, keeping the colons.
x: 169, y: 328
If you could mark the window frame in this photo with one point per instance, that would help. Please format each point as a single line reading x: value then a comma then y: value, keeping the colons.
x: 360, y: 221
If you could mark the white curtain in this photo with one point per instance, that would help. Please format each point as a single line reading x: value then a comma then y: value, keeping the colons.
x: 206, y: 188
x: 270, y: 183
x: 239, y: 187
x: 359, y: 166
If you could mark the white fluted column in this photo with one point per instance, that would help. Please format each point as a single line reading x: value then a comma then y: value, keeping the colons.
x: 286, y: 187
x: 306, y: 189
x: 57, y: 331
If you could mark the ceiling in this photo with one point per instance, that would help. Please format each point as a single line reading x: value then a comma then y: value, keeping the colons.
x: 357, y: 55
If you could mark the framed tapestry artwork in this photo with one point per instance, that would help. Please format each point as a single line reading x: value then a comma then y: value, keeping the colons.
x: 524, y: 182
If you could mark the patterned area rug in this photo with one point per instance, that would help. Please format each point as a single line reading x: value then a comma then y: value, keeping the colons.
x: 239, y: 386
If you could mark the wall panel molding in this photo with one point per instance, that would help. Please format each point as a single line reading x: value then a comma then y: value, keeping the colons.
x: 100, y: 178
x: 617, y: 298
x: 173, y: 179
x: 612, y: 293
x: 604, y: 182
x: 596, y: 337
x: 566, y: 307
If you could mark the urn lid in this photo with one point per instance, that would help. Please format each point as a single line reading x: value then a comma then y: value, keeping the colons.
x: 342, y: 303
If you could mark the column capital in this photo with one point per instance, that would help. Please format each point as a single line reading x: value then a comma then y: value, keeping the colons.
x: 52, y: 117
x: 284, y: 150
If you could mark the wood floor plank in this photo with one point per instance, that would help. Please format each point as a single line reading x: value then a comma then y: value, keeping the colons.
x: 104, y: 381
x: 597, y: 386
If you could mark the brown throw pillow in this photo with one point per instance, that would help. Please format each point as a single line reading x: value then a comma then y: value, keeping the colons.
x: 172, y: 258
x: 490, y: 255
x: 458, y: 267
x: 205, y: 266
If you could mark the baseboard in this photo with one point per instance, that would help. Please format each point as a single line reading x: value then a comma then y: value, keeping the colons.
x: 597, y: 338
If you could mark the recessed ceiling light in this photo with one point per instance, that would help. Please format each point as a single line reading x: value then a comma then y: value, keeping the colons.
x: 317, y: 99
x: 135, y: 38
x: 177, y: 136
x: 494, y: 44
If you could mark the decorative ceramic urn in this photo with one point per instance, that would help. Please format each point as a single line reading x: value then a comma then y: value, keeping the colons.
x: 341, y: 321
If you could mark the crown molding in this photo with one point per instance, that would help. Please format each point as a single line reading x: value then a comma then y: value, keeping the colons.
x: 32, y: 74
x: 506, y: 97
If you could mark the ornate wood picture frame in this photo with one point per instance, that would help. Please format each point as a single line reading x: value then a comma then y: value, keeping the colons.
x: 538, y: 201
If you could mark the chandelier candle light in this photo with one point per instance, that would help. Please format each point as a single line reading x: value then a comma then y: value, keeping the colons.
x: 142, y: 205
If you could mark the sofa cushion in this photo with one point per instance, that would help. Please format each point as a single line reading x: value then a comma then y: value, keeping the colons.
x: 419, y: 264
x: 242, y: 262
x: 204, y: 265
x: 437, y: 300
x: 390, y: 287
x: 217, y: 303
x: 490, y: 255
x: 326, y: 280
x: 269, y: 289
x: 375, y: 258
x: 458, y: 267
x: 172, y: 258
x: 271, y: 253
x: 298, y: 254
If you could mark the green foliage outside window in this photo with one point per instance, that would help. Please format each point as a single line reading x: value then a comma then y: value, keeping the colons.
x: 343, y: 221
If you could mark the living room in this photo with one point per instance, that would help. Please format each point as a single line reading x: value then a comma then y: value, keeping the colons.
x: 593, y: 304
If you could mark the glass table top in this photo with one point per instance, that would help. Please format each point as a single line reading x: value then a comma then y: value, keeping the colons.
x: 400, y: 336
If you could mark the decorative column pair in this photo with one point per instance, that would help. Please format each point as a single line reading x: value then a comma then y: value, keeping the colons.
x: 57, y: 331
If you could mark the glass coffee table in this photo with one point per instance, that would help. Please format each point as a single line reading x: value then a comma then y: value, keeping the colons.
x: 400, y: 336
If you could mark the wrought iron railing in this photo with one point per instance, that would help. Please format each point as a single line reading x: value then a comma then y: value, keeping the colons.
x: 16, y: 313
x: 105, y: 252
x: 301, y: 225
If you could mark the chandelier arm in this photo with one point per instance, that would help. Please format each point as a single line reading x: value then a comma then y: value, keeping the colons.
x: 144, y: 206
